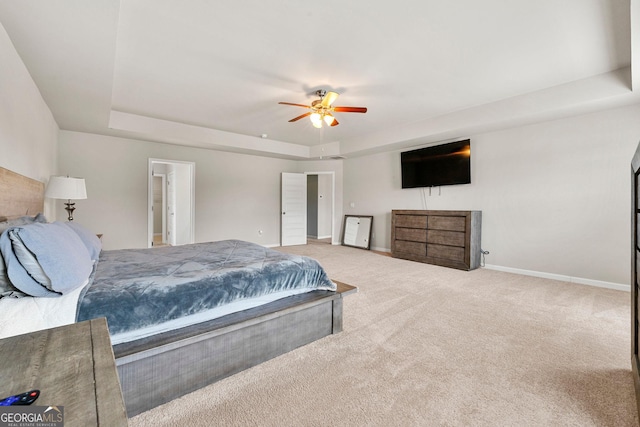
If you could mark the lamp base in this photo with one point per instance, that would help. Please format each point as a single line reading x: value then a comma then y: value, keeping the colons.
x: 70, y: 208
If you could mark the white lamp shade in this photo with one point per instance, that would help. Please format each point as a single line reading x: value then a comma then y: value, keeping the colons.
x: 328, y: 119
x: 66, y: 187
x: 316, y: 120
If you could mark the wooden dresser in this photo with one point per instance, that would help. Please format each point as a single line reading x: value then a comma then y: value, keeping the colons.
x: 446, y: 238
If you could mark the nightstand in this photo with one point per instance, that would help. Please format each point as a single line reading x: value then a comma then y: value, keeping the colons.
x: 72, y: 366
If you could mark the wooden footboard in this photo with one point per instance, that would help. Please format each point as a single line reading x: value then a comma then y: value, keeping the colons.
x: 156, y: 370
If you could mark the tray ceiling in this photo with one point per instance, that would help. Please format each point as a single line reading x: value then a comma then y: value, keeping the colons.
x: 210, y: 74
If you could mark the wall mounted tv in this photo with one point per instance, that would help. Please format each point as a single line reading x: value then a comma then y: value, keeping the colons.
x: 445, y: 164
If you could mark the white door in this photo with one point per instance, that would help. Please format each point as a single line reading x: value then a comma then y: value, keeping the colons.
x: 293, y: 209
x: 171, y: 208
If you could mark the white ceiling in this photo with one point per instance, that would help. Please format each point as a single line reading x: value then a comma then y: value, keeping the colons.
x: 211, y: 73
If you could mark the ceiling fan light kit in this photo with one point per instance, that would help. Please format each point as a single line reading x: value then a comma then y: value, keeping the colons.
x: 316, y: 120
x: 322, y: 109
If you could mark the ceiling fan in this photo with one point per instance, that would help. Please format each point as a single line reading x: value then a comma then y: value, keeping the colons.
x: 321, y: 109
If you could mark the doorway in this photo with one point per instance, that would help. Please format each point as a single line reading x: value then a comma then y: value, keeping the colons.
x: 159, y: 209
x: 319, y: 208
x: 171, y: 191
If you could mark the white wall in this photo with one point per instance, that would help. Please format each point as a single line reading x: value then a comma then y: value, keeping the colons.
x: 28, y: 131
x: 235, y: 195
x: 555, y: 196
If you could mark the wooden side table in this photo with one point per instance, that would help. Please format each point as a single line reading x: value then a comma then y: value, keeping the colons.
x: 72, y: 366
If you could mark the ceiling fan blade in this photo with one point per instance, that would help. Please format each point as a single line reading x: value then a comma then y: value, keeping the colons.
x: 329, y: 99
x: 302, y: 116
x: 295, y: 105
x: 350, y: 109
x: 335, y: 122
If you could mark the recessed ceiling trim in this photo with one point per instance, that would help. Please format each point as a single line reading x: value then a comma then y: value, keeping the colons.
x: 169, y: 131
x: 577, y: 97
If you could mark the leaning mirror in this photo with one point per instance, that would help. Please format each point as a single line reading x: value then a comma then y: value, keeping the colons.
x: 356, y: 231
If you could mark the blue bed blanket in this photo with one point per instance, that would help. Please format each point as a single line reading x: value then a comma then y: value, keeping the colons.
x: 139, y: 288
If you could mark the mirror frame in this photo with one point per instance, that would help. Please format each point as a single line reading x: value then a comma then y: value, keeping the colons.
x: 368, y: 232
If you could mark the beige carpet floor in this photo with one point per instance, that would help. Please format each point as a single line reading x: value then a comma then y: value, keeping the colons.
x: 431, y: 346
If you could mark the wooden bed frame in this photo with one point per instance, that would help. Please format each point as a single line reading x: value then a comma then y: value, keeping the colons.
x: 158, y: 369
x: 19, y: 195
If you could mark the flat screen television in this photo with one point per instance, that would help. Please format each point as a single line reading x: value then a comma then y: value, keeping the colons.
x: 445, y: 164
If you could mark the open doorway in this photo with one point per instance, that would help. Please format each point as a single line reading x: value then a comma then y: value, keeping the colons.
x: 159, y: 209
x: 320, y: 208
x: 171, y: 201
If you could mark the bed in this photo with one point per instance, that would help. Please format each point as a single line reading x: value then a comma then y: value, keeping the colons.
x: 180, y: 318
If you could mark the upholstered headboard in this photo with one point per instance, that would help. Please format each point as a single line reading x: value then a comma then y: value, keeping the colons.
x: 19, y: 195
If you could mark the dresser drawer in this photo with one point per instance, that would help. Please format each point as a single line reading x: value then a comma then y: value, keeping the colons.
x: 451, y: 223
x: 411, y: 234
x: 411, y: 221
x: 441, y: 237
x: 452, y: 253
x: 413, y: 248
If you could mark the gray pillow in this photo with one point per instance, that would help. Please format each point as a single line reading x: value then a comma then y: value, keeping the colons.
x: 6, y: 288
x: 23, y: 220
x: 90, y: 240
x: 59, y: 255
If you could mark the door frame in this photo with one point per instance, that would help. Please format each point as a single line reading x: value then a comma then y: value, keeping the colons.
x: 192, y: 174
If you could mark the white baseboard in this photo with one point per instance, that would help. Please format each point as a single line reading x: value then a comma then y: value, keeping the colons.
x: 561, y: 277
x: 542, y: 274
